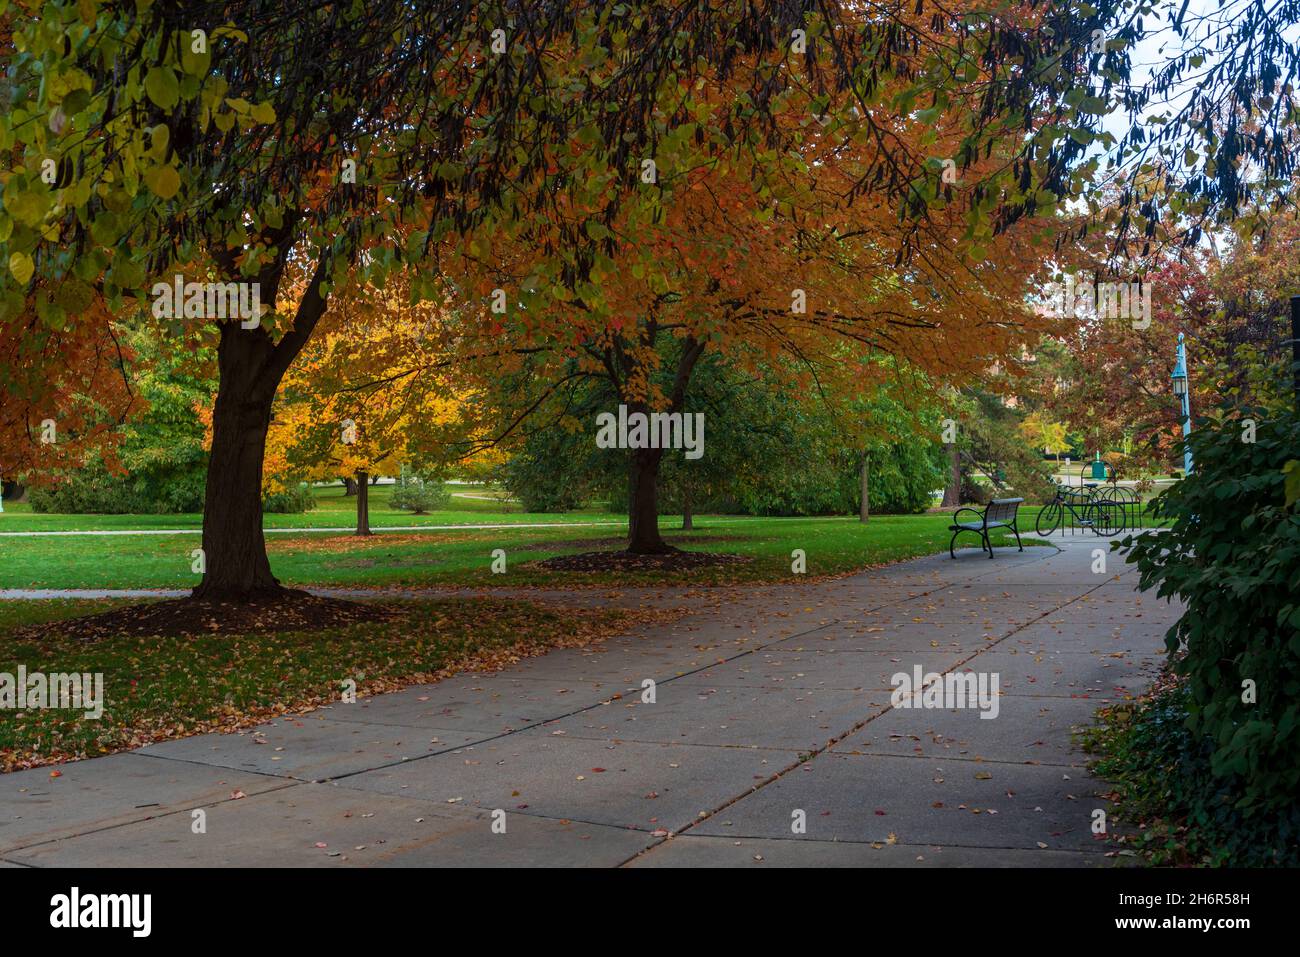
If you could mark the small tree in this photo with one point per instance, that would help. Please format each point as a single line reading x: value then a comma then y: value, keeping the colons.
x: 351, y: 405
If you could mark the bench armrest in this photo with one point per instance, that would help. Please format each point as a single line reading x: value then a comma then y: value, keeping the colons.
x: 974, y: 511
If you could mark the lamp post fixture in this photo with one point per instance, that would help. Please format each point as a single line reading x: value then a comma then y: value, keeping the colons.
x: 1179, y: 379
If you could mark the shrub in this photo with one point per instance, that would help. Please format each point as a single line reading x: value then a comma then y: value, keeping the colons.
x: 182, y: 493
x: 419, y: 494
x: 87, y: 493
x: 1232, y: 554
x: 291, y: 501
x: 1164, y: 781
x: 94, y: 490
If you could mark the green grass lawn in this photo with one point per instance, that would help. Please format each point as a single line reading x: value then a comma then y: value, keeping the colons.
x: 464, y: 557
x: 471, y: 505
x: 158, y: 688
x: 460, y: 555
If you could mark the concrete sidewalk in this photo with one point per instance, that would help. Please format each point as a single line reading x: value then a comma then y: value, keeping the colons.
x: 769, y: 708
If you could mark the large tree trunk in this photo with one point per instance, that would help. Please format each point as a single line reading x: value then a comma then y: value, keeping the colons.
x: 643, y: 469
x: 643, y: 516
x: 234, y: 550
x: 363, y: 504
x: 864, y: 509
x: 688, y: 517
x: 250, y: 367
x: 952, y: 493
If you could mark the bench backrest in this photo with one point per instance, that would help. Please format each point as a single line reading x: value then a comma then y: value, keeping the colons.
x: 1002, y: 510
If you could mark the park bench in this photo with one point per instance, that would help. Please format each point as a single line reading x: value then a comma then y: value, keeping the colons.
x: 999, y: 513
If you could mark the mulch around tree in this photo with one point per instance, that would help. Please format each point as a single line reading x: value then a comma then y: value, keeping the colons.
x: 615, y: 541
x: 625, y: 561
x: 286, y: 610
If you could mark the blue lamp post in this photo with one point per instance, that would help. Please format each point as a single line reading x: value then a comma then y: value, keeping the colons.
x: 1180, y: 389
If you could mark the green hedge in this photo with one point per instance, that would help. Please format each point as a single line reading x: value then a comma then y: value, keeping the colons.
x: 93, y: 490
x: 291, y: 501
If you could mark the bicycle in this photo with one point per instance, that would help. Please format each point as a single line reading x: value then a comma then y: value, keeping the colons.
x: 1104, y: 517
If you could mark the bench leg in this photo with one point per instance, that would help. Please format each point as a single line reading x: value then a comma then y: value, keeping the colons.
x: 987, y: 543
x: 951, y: 552
x: 1017, y: 534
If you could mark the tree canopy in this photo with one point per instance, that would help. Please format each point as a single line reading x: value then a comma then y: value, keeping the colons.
x: 610, y: 168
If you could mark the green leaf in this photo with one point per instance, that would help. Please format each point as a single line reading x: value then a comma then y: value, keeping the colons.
x: 1292, y: 472
x: 161, y: 136
x: 450, y: 171
x: 195, y: 64
x: 27, y: 207
x: 163, y: 181
x: 76, y: 101
x: 74, y: 296
x: 263, y: 113
x: 22, y: 267
x: 127, y: 273
x: 161, y: 86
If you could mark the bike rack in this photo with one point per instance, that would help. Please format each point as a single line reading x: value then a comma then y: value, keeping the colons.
x: 1125, y: 503
x: 1071, y: 519
x: 1128, y: 503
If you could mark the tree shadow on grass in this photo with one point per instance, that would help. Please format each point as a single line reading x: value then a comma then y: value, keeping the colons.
x: 285, y: 609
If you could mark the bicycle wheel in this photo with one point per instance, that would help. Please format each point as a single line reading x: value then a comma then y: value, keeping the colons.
x: 1107, y: 518
x: 1048, y: 519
